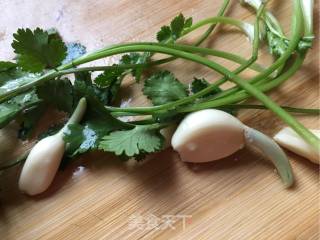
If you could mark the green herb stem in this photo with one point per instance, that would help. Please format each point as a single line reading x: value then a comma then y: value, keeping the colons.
x: 213, y: 26
x: 245, y: 27
x: 308, y: 111
x: 298, y: 127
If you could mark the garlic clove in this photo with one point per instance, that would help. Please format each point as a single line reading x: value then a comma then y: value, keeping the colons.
x: 208, y: 135
x: 44, y: 159
x: 41, y: 165
x: 290, y: 140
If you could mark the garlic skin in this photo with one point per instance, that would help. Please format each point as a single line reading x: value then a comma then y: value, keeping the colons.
x: 208, y: 135
x: 290, y: 140
x: 42, y: 164
x: 44, y: 159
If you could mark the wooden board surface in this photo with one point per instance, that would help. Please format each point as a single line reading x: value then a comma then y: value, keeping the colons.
x: 98, y: 197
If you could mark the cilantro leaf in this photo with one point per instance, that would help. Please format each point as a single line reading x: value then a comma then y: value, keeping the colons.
x: 97, y: 122
x: 277, y: 45
x: 136, y: 58
x: 164, y: 35
x: 5, y: 66
x: 95, y: 109
x: 139, y: 140
x: 82, y: 138
x: 10, y: 109
x: 105, y: 92
x: 198, y: 85
x: 177, y: 26
x: 188, y: 22
x: 37, y: 51
x: 107, y: 78
x: 83, y: 77
x: 57, y: 93
x: 14, y: 79
x: 29, y: 120
x: 175, y: 30
x: 74, y: 50
x: 110, y: 82
x: 163, y: 87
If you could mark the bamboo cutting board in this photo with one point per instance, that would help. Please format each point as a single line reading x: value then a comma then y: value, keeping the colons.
x: 98, y: 197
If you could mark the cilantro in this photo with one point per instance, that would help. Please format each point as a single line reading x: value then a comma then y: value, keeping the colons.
x: 57, y: 93
x: 164, y: 35
x: 109, y: 82
x: 5, y: 66
x: 13, y: 79
x: 97, y: 122
x: 163, y: 87
x: 139, y: 140
x: 96, y: 108
x: 37, y: 51
x: 107, y: 78
x: 29, y: 120
x: 82, y: 138
x: 136, y: 58
x: 105, y: 86
x: 40, y: 50
x: 10, y: 109
x: 198, y: 85
x: 83, y: 77
x: 177, y: 26
x: 277, y: 45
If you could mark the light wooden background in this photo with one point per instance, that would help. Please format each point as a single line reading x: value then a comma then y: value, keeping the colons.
x: 238, y: 198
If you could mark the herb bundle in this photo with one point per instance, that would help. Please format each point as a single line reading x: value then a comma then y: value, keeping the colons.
x: 38, y: 78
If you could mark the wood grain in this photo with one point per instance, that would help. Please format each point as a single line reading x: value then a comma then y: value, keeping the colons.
x: 240, y: 197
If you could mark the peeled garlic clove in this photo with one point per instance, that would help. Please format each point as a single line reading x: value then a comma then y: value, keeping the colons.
x: 44, y: 159
x: 272, y: 151
x: 290, y: 140
x: 208, y: 135
x: 41, y: 165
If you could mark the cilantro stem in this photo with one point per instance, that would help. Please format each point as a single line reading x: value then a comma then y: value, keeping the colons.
x: 298, y: 127
x: 240, y: 96
x: 297, y: 31
x: 69, y: 68
x: 213, y: 26
x: 56, y: 73
x: 207, y: 33
x: 212, y: 52
x: 308, y: 111
x: 245, y: 27
x: 244, y: 65
x: 293, y: 45
x: 215, y: 103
